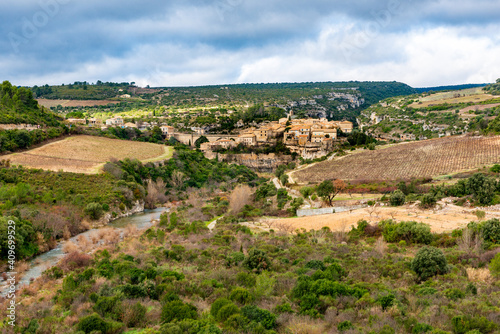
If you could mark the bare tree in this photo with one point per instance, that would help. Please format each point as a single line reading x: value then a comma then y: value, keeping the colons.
x: 240, y: 197
x: 178, y: 178
x: 156, y: 193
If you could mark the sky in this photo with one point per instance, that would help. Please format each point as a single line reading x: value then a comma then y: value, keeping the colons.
x: 208, y: 42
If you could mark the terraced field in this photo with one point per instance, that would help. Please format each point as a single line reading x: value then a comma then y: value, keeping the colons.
x: 407, y: 161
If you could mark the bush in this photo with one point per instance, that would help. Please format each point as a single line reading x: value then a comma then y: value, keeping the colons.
x: 177, y: 310
x: 495, y: 265
x: 217, y: 305
x: 428, y: 262
x: 264, y: 317
x: 464, y: 324
x: 315, y: 264
x: 93, y: 323
x: 241, y: 295
x: 226, y: 312
x: 94, y: 210
x: 397, y: 198
x: 491, y: 230
x: 427, y: 201
x: 386, y: 301
x: 344, y: 326
x: 454, y: 294
x: 411, y: 232
x: 257, y: 260
x: 108, y: 307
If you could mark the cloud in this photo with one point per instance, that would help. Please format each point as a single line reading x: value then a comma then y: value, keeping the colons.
x: 171, y: 43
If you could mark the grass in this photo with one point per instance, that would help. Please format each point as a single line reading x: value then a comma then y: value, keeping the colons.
x: 87, y: 154
x: 430, y: 158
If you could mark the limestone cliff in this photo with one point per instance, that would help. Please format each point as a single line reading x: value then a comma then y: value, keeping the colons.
x: 266, y: 163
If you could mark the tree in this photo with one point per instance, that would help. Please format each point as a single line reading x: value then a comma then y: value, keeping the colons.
x: 482, y: 188
x: 429, y: 262
x: 495, y: 265
x: 329, y: 189
x: 397, y: 198
x: 257, y: 260
x: 200, y: 141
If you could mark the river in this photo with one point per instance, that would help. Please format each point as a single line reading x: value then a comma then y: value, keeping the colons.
x: 46, y: 260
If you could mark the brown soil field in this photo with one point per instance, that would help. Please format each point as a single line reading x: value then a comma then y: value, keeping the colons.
x: 406, y: 161
x: 87, y: 154
x: 445, y: 218
x: 74, y: 103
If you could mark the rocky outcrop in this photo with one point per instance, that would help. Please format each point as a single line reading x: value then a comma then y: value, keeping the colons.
x: 265, y: 163
x: 108, y: 217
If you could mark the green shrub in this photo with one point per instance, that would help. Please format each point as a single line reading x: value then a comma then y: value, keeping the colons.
x: 315, y: 264
x: 241, y: 295
x: 454, y: 294
x: 236, y: 321
x: 177, y: 310
x: 94, y: 210
x: 495, y: 265
x: 386, y: 301
x: 217, y: 305
x: 495, y: 168
x: 108, y: 307
x: 421, y: 328
x: 491, y: 230
x: 428, y: 201
x: 465, y: 323
x: 226, y: 311
x: 264, y: 317
x: 344, y: 326
x: 246, y: 279
x: 93, y: 323
x: 428, y: 262
x: 283, y: 308
x: 411, y: 232
x: 397, y: 198
x: 257, y: 260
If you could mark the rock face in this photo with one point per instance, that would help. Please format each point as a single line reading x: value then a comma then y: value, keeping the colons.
x: 108, y: 217
x: 265, y: 163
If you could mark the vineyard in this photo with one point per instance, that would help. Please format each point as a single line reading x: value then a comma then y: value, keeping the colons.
x: 86, y: 154
x: 406, y: 161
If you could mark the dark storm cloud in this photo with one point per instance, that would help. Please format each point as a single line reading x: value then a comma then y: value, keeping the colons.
x: 64, y: 39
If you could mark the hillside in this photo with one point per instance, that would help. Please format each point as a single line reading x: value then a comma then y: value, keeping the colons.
x: 432, y: 115
x: 335, y: 100
x: 408, y: 161
x: 17, y: 106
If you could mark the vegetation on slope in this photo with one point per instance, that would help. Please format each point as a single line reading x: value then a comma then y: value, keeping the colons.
x: 17, y: 106
x: 385, y: 278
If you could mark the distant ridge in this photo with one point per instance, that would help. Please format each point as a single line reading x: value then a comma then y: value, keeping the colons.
x: 450, y: 87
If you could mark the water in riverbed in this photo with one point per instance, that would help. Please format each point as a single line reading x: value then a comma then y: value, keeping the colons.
x: 46, y: 260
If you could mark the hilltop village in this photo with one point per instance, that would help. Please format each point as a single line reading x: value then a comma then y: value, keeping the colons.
x: 309, y: 138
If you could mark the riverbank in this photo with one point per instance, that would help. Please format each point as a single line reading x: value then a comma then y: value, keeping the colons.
x: 105, y: 231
